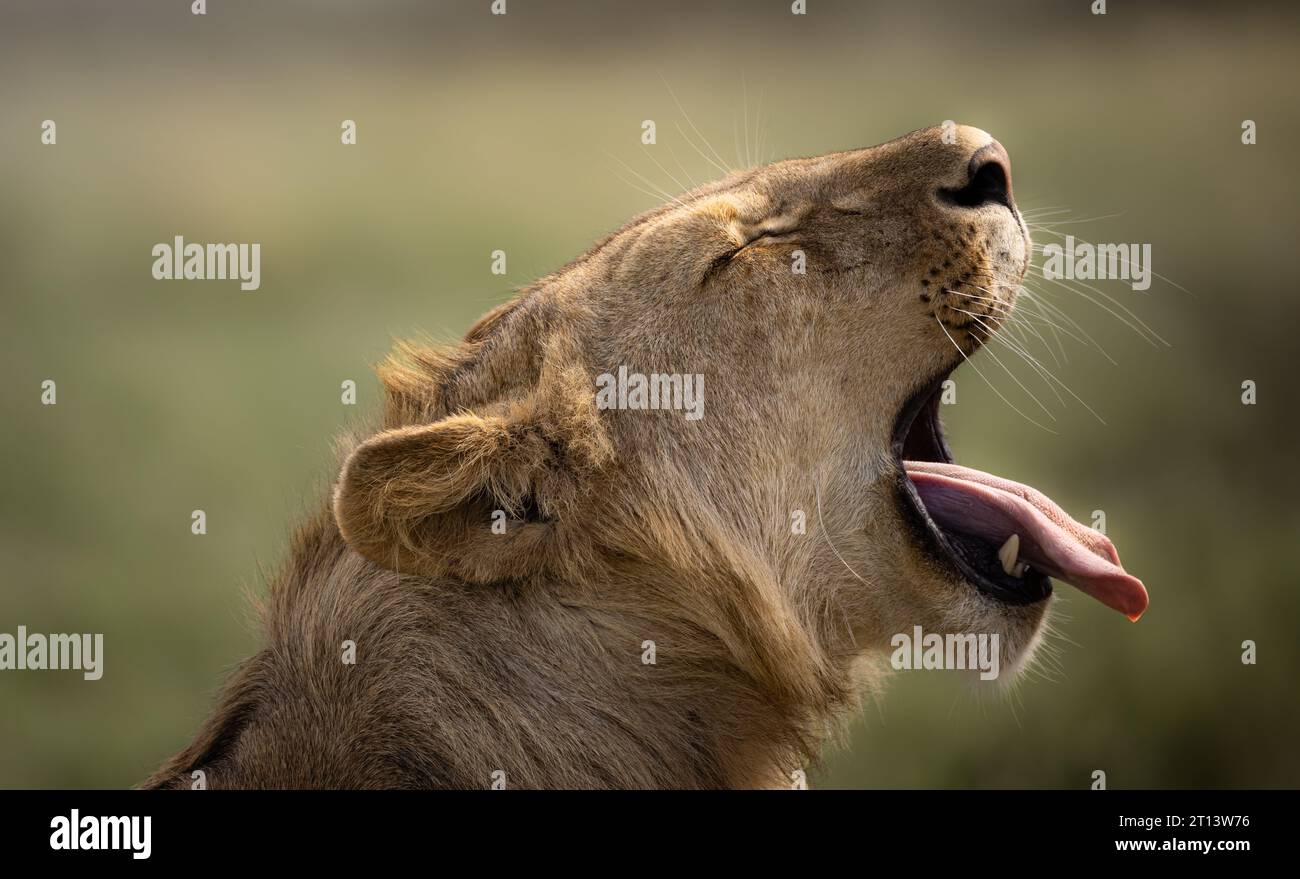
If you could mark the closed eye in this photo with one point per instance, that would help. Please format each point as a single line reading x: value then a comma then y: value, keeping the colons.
x: 722, y: 260
x: 774, y: 238
x: 774, y: 227
x: 781, y: 229
x: 778, y: 231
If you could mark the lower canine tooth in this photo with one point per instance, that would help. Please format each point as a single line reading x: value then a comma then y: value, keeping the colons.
x: 1008, y: 553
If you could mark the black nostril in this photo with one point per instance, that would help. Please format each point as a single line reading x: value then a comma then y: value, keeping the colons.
x: 990, y: 180
x: 988, y: 184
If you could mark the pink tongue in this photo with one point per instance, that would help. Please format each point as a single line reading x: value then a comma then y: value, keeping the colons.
x: 976, y: 503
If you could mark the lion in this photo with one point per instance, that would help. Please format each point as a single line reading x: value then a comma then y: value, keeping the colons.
x: 514, y: 586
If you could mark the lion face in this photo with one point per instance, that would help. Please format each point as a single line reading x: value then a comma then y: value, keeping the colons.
x: 818, y: 298
x: 728, y: 410
x: 715, y: 438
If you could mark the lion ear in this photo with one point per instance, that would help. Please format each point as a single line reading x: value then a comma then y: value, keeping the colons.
x: 466, y: 497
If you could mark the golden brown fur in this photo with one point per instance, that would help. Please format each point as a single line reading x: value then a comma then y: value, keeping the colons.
x: 522, y: 652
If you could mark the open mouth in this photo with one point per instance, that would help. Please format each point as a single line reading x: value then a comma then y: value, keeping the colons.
x: 1006, y: 538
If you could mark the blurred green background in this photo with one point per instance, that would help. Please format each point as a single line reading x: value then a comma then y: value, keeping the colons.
x: 518, y: 132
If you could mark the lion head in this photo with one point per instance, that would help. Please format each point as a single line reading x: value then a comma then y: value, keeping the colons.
x: 716, y: 433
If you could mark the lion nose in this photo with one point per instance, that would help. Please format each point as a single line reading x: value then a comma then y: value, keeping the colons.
x: 989, y: 179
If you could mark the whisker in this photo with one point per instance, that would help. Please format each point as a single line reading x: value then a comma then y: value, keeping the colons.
x: 1068, y: 221
x: 653, y: 195
x: 701, y: 153
x: 1040, y: 299
x: 1014, y: 377
x: 680, y: 166
x: 1024, y: 312
x: 1167, y: 280
x: 1136, y: 324
x: 680, y: 186
x: 986, y: 381
x: 720, y: 164
x: 994, y: 334
x: 1047, y: 374
x: 821, y: 526
x: 735, y: 138
x: 1021, y: 317
x: 658, y: 193
x: 744, y: 103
